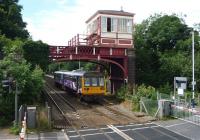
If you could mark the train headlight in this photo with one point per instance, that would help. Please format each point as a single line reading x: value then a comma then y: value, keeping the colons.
x: 86, y: 88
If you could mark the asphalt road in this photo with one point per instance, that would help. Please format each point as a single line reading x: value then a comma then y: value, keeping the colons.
x: 129, y: 132
x: 163, y: 130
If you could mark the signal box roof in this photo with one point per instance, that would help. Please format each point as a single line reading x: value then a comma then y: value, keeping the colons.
x: 111, y: 12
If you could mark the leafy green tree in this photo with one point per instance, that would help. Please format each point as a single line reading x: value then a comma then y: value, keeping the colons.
x: 11, y: 23
x: 36, y: 53
x: 163, y: 50
x: 29, y: 82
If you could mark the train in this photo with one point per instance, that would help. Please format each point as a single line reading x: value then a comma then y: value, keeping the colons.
x: 89, y: 85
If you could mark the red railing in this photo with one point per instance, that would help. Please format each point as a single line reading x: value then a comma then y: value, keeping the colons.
x: 78, y: 40
x: 61, y: 51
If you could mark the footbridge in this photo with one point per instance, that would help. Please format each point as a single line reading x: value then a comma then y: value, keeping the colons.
x: 119, y: 60
x: 109, y: 42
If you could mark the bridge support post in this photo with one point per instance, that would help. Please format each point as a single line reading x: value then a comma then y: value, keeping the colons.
x: 131, y: 67
x: 117, y: 77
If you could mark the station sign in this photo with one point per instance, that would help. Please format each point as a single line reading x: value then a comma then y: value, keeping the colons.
x: 180, y: 82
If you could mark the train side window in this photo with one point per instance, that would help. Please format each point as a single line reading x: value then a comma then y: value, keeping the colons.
x: 101, y: 82
x: 87, y: 81
x: 94, y: 81
x: 79, y: 82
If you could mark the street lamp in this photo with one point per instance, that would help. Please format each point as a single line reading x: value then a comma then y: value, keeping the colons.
x: 17, y: 57
x: 193, y: 82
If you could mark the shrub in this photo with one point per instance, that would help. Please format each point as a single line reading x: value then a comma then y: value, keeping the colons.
x: 146, y: 91
x: 122, y: 92
x: 15, y: 129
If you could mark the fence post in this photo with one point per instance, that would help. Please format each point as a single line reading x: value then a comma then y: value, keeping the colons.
x: 140, y: 106
x: 49, y: 115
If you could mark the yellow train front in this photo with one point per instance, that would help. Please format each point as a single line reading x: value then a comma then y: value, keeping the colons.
x: 93, y: 85
x: 90, y: 85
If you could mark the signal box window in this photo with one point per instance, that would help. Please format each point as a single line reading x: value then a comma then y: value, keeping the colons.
x: 109, y: 24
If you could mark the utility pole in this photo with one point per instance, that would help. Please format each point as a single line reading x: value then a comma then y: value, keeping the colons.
x: 193, y: 83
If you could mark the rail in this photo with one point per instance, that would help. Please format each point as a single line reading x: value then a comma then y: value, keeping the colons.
x: 67, y: 121
x: 74, y: 110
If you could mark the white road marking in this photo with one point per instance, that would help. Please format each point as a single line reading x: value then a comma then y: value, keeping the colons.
x: 8, y: 139
x: 73, y: 136
x: 122, y: 134
x: 189, y: 121
x: 65, y: 135
x: 85, y: 135
x: 176, y: 124
x: 83, y: 130
x: 173, y: 131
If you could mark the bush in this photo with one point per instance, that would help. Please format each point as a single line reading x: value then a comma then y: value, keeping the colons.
x: 15, y: 129
x: 166, y: 89
x: 146, y: 91
x: 122, y: 93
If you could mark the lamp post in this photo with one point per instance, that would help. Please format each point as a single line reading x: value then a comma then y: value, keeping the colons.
x: 17, y: 57
x: 193, y: 83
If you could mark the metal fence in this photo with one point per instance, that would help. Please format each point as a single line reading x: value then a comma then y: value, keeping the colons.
x: 183, y: 110
x: 150, y: 106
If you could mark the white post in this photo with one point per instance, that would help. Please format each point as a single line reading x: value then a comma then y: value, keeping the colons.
x: 94, y: 52
x: 193, y: 65
x: 76, y: 50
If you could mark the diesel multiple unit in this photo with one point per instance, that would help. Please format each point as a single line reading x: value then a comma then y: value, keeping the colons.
x: 86, y: 84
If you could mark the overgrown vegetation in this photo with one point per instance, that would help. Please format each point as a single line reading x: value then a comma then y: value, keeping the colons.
x: 163, y: 49
x: 15, y: 129
x: 141, y: 91
x: 24, y: 73
x: 43, y: 120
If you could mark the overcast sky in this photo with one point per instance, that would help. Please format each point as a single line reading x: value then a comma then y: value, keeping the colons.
x: 57, y: 21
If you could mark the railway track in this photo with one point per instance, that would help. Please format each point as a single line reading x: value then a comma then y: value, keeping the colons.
x: 70, y: 116
x: 90, y: 114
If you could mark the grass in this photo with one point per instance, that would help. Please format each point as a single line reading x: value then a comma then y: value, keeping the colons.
x: 43, y: 120
x: 15, y: 129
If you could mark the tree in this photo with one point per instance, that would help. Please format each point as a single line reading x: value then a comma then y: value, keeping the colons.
x: 163, y: 50
x: 30, y: 82
x: 11, y: 23
x: 36, y: 53
x: 165, y: 31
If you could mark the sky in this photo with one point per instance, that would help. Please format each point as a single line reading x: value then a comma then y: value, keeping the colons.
x: 57, y: 21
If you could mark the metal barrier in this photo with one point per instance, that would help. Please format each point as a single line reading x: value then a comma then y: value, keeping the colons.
x: 22, y: 133
x: 180, y: 109
x: 183, y: 111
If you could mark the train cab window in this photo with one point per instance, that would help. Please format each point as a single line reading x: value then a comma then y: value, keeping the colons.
x: 101, y: 82
x: 87, y: 81
x: 94, y: 81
